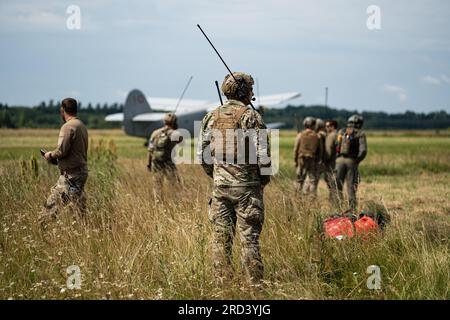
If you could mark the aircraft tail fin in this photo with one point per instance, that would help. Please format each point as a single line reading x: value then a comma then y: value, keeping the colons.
x: 135, y: 104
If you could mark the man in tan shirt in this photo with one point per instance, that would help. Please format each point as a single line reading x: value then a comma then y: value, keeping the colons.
x: 71, y: 155
x: 330, y: 159
x: 307, y: 154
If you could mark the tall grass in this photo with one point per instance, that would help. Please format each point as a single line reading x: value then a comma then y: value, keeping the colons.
x: 137, y: 242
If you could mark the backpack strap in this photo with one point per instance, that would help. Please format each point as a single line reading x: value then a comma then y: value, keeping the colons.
x: 238, y: 115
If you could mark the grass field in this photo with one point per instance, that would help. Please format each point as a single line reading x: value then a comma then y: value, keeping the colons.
x: 134, y: 245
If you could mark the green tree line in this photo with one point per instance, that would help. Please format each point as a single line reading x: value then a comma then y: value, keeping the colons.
x: 292, y: 117
x: 46, y: 115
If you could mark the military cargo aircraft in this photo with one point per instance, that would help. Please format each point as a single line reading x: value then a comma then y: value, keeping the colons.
x: 140, y: 118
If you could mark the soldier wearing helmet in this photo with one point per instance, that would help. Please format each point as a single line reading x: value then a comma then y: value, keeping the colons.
x: 160, y: 146
x: 320, y: 165
x: 351, y: 150
x: 237, y: 199
x: 307, y: 154
x: 330, y: 159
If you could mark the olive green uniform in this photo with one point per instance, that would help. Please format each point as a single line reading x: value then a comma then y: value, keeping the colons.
x: 312, y: 186
x: 330, y: 165
x: 307, y: 154
x: 237, y: 198
x: 352, y: 149
x: 160, y: 146
x: 71, y: 153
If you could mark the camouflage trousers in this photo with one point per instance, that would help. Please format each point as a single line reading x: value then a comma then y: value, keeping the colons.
x: 329, y: 174
x: 242, y: 207
x: 69, y: 189
x: 307, y: 168
x: 162, y: 171
x: 347, y: 170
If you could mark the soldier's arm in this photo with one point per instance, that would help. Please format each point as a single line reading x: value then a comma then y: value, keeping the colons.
x: 297, y: 148
x: 252, y: 120
x: 64, y: 142
x: 176, y: 137
x: 150, y: 149
x: 362, y: 148
x: 204, y: 151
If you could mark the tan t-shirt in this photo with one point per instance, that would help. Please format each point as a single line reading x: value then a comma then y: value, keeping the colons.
x: 71, y: 151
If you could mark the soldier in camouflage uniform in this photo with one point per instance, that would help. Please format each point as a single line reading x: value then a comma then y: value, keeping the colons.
x: 330, y: 160
x: 160, y: 146
x: 307, y: 155
x: 351, y: 150
x: 239, y: 181
x: 320, y: 165
x: 71, y: 156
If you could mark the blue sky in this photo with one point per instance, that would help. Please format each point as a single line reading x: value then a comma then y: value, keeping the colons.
x: 287, y: 45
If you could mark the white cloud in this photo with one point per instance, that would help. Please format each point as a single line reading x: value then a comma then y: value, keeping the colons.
x: 445, y: 79
x: 431, y: 80
x: 396, y: 90
x: 436, y: 81
x: 30, y: 17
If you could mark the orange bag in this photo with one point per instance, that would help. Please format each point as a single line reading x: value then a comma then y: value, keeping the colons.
x: 365, y: 225
x: 339, y: 228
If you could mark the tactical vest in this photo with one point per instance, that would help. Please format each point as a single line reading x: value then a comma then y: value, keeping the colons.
x: 348, y: 143
x: 322, y: 137
x: 225, y: 146
x: 309, y: 143
x: 163, y: 145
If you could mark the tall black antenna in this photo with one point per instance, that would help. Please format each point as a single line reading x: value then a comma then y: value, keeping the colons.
x: 218, y: 92
x: 229, y: 71
x: 182, y: 95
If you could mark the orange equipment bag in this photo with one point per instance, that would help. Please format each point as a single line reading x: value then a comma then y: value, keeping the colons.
x: 365, y: 225
x: 338, y: 227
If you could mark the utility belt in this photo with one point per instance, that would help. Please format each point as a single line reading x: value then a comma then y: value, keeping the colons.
x: 73, y: 170
x: 347, y: 156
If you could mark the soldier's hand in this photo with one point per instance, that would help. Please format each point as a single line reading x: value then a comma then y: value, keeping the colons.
x: 48, y: 156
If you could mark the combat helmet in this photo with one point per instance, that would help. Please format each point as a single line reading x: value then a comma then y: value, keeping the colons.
x: 320, y: 124
x: 170, y: 119
x: 240, y: 89
x: 309, y: 122
x: 356, y: 120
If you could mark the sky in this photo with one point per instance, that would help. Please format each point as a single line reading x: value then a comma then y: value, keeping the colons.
x: 287, y: 45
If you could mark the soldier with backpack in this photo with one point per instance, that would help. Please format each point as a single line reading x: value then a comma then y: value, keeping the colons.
x: 351, y: 150
x: 307, y: 155
x: 321, y: 133
x: 160, y: 146
x: 237, y: 199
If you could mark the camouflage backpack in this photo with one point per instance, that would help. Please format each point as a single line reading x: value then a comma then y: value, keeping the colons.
x: 309, y: 143
x: 225, y: 146
x: 162, y: 144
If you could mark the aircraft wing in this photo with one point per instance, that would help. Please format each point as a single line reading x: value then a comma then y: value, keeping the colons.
x: 149, y: 117
x: 115, y: 117
x: 169, y: 104
x: 275, y: 125
x: 270, y: 101
x: 276, y: 99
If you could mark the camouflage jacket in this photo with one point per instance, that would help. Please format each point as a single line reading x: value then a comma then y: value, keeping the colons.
x: 330, y: 149
x: 161, y: 144
x: 237, y: 174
